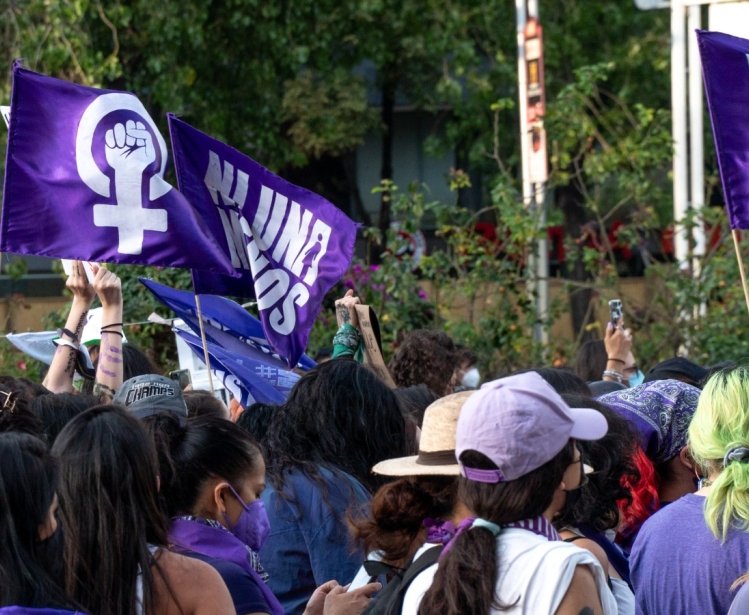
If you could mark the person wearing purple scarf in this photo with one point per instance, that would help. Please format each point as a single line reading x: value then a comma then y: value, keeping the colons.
x: 212, y: 477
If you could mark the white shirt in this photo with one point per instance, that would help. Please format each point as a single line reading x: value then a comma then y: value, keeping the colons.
x: 532, y: 570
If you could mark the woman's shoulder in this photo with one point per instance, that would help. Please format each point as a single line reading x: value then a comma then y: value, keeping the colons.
x: 187, y: 585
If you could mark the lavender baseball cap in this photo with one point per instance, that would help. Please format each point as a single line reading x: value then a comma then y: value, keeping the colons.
x: 520, y: 423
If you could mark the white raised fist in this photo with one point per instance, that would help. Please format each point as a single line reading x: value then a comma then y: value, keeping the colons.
x: 129, y: 147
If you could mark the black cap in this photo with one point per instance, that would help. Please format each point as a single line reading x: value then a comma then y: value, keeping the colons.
x: 678, y: 368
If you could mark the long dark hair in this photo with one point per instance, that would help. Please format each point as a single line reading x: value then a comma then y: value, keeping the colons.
x: 466, y: 578
x: 206, y: 447
x: 15, y: 408
x: 613, y: 461
x: 56, y: 409
x: 591, y: 360
x: 28, y: 480
x: 339, y: 415
x: 395, y: 524
x: 109, y: 510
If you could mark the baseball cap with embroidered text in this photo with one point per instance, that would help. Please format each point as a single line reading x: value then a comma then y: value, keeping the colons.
x: 149, y: 394
x: 520, y: 423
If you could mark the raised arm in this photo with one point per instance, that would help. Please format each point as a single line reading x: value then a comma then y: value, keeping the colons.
x: 59, y: 378
x: 347, y: 340
x: 109, y: 368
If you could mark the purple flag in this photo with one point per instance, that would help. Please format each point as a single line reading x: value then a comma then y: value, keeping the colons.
x: 84, y: 179
x: 725, y: 70
x: 289, y: 243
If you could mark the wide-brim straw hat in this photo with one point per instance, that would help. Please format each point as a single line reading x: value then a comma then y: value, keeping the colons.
x: 437, y: 445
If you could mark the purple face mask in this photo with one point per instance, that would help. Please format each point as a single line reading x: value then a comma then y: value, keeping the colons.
x: 252, y: 527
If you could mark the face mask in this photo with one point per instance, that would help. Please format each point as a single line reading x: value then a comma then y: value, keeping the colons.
x: 636, y: 379
x: 252, y: 527
x: 471, y: 378
x: 571, y: 500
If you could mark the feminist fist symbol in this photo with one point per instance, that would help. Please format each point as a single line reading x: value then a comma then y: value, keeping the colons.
x: 129, y: 147
x: 129, y: 151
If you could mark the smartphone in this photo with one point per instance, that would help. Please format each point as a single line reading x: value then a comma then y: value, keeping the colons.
x: 615, y: 308
x: 182, y: 376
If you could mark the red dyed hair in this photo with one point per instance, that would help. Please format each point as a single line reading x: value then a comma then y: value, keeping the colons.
x: 644, y: 496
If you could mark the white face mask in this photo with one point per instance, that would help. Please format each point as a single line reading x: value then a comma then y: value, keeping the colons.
x: 471, y: 378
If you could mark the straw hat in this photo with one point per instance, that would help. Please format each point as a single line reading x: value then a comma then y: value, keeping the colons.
x: 437, y: 445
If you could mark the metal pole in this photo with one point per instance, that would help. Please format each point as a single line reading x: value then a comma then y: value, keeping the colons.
x: 679, y: 130
x: 538, y: 192
x: 696, y: 138
x: 522, y: 103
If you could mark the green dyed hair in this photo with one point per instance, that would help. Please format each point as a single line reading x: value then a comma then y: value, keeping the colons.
x: 721, y: 423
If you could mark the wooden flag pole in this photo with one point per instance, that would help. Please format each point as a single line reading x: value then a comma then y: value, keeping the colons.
x: 206, y: 358
x: 735, y: 235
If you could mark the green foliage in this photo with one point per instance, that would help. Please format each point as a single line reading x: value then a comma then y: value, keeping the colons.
x: 292, y: 82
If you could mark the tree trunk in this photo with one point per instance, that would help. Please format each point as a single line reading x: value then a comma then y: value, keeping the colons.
x: 570, y: 201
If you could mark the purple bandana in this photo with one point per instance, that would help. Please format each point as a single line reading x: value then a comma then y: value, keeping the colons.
x: 192, y: 535
x: 438, y: 531
x: 538, y: 525
x: 660, y: 412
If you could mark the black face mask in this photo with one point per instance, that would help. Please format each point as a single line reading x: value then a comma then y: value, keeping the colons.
x: 573, y: 495
x: 571, y: 500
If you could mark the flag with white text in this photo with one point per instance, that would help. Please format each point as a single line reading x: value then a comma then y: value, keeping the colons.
x: 84, y: 179
x: 288, y: 244
x: 725, y: 71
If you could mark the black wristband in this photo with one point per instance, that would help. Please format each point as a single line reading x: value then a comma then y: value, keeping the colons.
x: 69, y: 333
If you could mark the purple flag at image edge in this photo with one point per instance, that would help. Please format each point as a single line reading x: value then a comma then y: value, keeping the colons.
x: 291, y: 243
x: 84, y: 180
x: 725, y: 71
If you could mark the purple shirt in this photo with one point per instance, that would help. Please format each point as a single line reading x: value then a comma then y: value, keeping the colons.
x: 678, y: 566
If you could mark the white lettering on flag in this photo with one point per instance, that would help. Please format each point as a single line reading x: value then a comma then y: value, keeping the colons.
x: 219, y: 184
x: 283, y: 240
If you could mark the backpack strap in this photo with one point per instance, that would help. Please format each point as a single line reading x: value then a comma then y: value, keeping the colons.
x: 390, y: 599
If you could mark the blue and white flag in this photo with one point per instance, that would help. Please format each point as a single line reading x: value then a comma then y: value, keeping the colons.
x: 248, y: 380
x: 227, y: 324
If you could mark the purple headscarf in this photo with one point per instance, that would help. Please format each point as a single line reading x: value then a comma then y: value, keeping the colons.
x: 659, y: 412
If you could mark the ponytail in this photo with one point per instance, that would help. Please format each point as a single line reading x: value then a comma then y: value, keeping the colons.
x: 466, y: 578
x: 717, y: 440
x: 727, y: 503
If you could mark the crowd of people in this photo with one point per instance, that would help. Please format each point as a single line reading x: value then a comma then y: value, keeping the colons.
x: 589, y: 491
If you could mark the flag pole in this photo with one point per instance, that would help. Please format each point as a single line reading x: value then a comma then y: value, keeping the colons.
x: 735, y: 235
x: 206, y: 358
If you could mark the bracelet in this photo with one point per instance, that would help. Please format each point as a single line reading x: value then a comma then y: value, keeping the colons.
x: 119, y: 324
x: 68, y: 343
x: 611, y: 373
x: 615, y: 360
x: 69, y: 333
x: 120, y: 333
